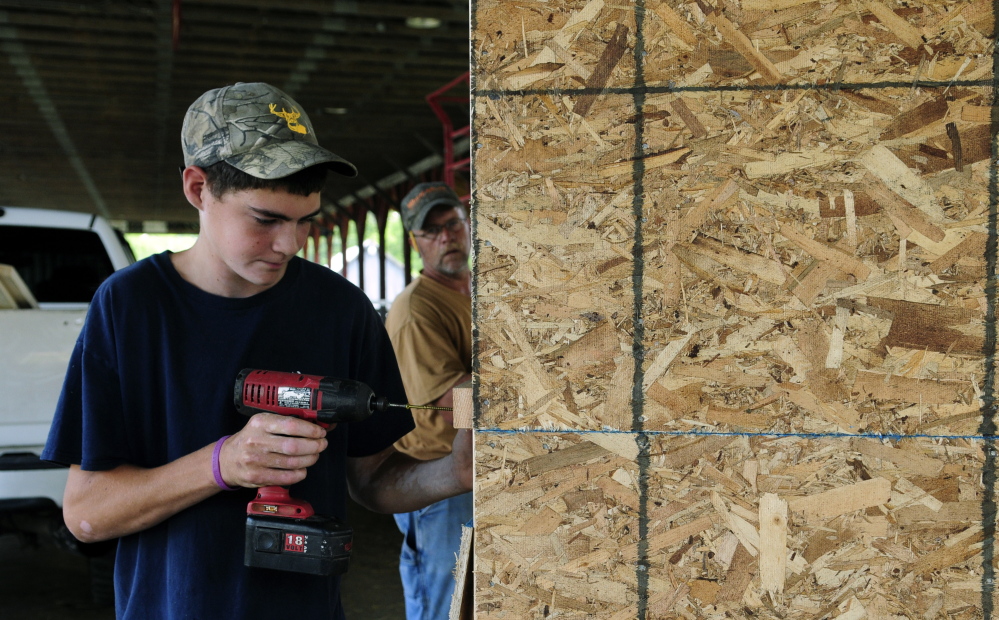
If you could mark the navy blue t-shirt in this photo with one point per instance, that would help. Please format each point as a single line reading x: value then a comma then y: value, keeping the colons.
x: 151, y: 380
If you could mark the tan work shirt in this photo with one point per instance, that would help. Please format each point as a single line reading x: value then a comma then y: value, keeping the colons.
x: 431, y: 330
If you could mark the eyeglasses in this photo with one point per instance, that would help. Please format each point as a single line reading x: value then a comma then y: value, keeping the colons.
x: 434, y: 231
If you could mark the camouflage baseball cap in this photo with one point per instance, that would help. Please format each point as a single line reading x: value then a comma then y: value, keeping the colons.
x: 257, y: 129
x: 424, y: 197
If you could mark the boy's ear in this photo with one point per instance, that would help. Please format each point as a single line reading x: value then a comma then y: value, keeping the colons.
x: 195, y: 186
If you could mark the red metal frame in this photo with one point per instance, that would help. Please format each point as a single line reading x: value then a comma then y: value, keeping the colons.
x: 435, y: 99
x: 380, y: 205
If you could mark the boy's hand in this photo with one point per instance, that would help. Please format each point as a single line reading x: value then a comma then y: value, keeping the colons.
x: 271, y: 450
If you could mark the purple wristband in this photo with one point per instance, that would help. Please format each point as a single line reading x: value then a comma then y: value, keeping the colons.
x: 215, y: 466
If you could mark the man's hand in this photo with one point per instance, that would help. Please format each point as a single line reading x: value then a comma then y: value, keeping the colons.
x: 271, y: 450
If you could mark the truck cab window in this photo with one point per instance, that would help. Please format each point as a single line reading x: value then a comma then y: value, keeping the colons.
x: 58, y: 265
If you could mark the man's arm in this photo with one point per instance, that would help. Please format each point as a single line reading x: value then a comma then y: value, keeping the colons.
x: 269, y: 450
x: 391, y: 482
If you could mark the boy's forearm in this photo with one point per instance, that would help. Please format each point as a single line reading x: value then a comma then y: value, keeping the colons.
x: 100, y: 505
x: 269, y: 450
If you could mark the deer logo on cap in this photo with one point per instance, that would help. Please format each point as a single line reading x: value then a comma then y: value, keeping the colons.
x: 291, y: 118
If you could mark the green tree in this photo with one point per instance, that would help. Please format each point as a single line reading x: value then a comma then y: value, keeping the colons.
x: 146, y: 244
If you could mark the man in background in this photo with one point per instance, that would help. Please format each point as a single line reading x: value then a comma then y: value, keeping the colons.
x: 430, y: 325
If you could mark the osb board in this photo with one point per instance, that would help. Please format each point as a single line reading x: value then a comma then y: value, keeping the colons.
x: 523, y: 44
x: 774, y: 225
x: 809, y: 300
x: 769, y: 231
x: 765, y: 527
x: 556, y: 519
x: 752, y: 287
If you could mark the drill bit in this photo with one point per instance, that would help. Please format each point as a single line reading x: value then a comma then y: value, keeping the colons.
x: 421, y: 407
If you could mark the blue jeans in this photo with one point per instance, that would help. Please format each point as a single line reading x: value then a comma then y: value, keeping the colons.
x: 429, y: 549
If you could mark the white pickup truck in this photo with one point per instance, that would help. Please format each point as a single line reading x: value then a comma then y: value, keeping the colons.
x: 61, y: 257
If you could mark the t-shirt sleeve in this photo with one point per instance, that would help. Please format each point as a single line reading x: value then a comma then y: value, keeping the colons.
x: 65, y: 435
x: 377, y: 367
x: 87, y: 428
x: 429, y: 361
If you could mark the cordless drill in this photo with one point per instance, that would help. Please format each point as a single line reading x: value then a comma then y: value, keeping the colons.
x: 284, y: 533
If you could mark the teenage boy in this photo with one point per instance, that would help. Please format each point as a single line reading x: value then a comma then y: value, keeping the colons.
x: 146, y: 419
x: 430, y: 324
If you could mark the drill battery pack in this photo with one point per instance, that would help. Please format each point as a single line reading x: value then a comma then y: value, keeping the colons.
x: 318, y: 545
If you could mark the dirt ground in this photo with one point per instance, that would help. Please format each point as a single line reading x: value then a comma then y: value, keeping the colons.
x: 45, y: 583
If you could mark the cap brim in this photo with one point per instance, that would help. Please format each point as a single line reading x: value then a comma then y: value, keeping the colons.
x: 417, y: 221
x: 281, y: 159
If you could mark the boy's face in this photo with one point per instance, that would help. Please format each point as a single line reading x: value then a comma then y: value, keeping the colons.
x: 252, y: 235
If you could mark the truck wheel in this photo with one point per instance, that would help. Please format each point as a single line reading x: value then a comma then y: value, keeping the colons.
x: 102, y: 578
x: 100, y: 562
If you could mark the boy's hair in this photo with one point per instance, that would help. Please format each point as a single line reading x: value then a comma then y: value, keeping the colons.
x: 223, y: 178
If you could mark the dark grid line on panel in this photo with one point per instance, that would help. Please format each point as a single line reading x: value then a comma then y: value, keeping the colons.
x: 673, y: 88
x: 473, y: 202
x: 988, y: 426
x: 638, y: 321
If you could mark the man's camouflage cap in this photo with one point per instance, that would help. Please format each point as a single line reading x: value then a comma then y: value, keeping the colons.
x: 257, y: 129
x: 424, y: 197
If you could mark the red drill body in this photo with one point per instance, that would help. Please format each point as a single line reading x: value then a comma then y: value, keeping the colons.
x: 323, y: 400
x: 282, y: 532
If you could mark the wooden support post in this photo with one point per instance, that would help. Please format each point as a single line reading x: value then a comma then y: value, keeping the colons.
x: 463, y: 406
